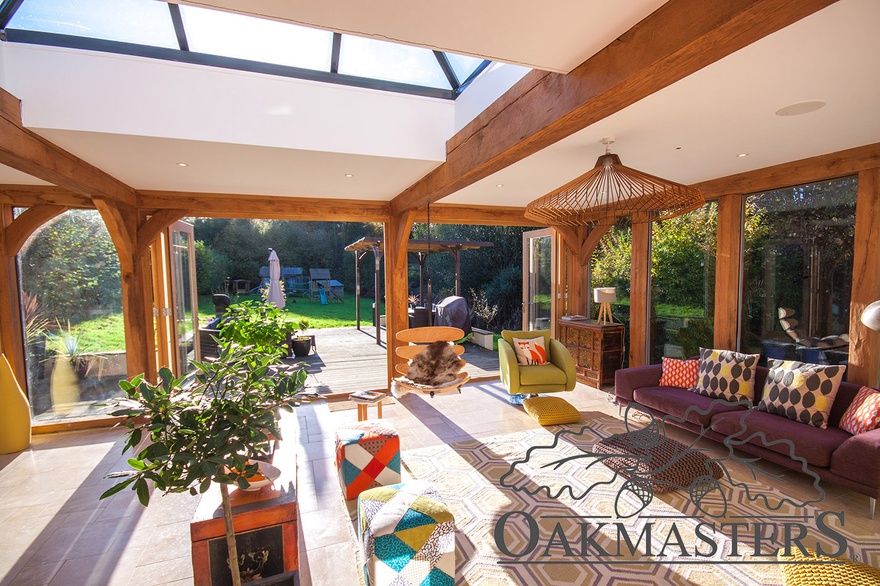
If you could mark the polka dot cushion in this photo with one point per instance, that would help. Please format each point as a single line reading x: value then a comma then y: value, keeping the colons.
x: 811, y: 571
x: 726, y: 375
x: 679, y: 373
x: 800, y: 391
x: 864, y: 412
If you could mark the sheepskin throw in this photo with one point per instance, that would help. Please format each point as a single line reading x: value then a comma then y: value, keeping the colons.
x: 436, y: 364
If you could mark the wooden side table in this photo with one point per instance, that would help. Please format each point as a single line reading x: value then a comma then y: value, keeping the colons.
x: 362, y: 410
x: 265, y: 520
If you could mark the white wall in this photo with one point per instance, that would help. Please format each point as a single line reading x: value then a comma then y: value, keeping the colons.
x: 488, y: 87
x: 98, y: 92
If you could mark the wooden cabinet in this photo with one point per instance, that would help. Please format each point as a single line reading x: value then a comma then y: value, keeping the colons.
x: 597, y: 349
x: 265, y: 523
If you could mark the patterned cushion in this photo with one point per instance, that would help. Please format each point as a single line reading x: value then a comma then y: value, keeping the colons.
x: 727, y: 375
x: 407, y: 536
x: 667, y: 464
x: 863, y: 413
x: 530, y: 351
x: 802, y: 392
x: 810, y: 573
x: 551, y: 410
x: 367, y: 455
x: 679, y: 373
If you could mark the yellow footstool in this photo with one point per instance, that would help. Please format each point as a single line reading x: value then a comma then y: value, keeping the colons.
x: 846, y: 573
x: 551, y: 410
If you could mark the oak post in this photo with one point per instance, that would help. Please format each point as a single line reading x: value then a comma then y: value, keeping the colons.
x: 864, y: 345
x: 640, y: 270
x: 11, y: 332
x: 728, y: 252
x: 397, y: 231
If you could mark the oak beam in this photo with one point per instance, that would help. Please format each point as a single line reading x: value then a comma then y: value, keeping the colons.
x: 864, y: 345
x: 476, y: 215
x: 30, y: 153
x: 397, y: 232
x: 268, y: 207
x: 26, y: 196
x: 26, y: 223
x: 828, y: 166
x: 154, y: 226
x: 728, y: 252
x: 678, y: 39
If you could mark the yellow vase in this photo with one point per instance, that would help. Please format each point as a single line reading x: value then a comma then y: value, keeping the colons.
x: 15, y: 412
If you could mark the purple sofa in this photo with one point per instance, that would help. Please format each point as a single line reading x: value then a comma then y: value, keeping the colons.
x: 834, y: 454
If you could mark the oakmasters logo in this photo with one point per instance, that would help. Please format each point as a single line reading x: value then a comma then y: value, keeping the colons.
x: 652, y: 499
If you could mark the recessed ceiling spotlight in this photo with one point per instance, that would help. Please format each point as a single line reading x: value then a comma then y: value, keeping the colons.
x: 499, y: 185
x: 801, y: 108
x: 678, y: 148
x: 741, y: 155
x: 181, y: 164
x: 349, y: 175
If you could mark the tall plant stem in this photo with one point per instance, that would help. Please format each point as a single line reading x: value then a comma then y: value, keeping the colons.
x: 230, y: 536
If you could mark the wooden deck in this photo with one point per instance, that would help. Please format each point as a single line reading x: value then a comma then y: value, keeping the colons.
x: 349, y: 360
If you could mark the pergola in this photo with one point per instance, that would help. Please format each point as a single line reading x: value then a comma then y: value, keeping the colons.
x: 418, y: 249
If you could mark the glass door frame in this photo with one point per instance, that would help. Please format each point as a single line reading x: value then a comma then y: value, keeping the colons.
x: 529, y: 276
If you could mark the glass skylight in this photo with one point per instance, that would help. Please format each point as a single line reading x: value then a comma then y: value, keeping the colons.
x: 128, y: 21
x: 257, y: 39
x: 391, y: 62
x: 190, y: 34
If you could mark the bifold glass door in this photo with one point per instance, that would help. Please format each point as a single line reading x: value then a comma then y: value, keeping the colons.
x: 539, y: 249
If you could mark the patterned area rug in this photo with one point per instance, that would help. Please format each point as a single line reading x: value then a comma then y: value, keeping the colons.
x: 568, y: 521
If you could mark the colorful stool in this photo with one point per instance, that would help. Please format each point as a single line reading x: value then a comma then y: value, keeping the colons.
x: 367, y: 455
x: 407, y: 536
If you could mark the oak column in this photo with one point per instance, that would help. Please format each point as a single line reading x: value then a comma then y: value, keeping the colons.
x: 10, y: 305
x: 397, y: 231
x: 638, y: 287
x: 728, y: 251
x: 864, y: 346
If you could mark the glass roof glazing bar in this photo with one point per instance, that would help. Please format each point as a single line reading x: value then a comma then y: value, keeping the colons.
x: 7, y: 11
x: 334, y: 54
x: 447, y: 70
x: 480, y: 68
x: 179, y: 29
x: 93, y: 44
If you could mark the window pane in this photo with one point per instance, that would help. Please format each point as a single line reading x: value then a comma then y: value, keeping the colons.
x: 390, y: 62
x: 797, y: 272
x: 683, y: 284
x: 72, y: 300
x: 462, y: 65
x: 256, y: 39
x: 610, y: 267
x: 145, y: 22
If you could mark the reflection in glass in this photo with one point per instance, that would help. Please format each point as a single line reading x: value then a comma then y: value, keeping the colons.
x: 72, y: 300
x: 129, y: 21
x: 683, y: 284
x: 610, y: 267
x: 797, y: 272
x: 256, y: 39
x: 390, y: 62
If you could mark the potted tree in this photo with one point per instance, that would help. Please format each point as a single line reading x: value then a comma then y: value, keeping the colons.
x: 301, y: 343
x: 208, y: 432
x: 258, y: 324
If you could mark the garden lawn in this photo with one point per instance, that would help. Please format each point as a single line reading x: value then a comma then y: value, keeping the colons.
x: 332, y: 315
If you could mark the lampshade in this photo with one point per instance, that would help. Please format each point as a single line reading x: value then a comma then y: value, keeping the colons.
x: 871, y: 316
x: 604, y: 294
x: 610, y: 191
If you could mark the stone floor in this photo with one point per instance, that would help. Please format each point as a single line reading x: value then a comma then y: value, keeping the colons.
x: 57, y: 532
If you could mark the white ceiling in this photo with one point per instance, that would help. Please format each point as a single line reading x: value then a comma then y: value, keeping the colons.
x: 553, y: 35
x: 725, y: 109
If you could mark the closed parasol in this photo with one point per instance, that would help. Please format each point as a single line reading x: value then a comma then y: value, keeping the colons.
x: 276, y: 296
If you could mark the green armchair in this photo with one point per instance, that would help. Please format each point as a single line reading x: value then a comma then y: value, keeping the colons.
x: 556, y: 376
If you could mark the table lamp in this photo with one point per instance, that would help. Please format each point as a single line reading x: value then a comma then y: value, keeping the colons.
x: 605, y: 296
x: 871, y: 318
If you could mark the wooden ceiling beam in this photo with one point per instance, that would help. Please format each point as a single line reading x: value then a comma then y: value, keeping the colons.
x: 475, y: 215
x: 26, y: 196
x: 828, y: 166
x: 30, y: 153
x: 267, y: 207
x: 678, y: 39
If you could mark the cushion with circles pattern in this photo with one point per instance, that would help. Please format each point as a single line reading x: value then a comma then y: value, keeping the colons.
x: 800, y: 391
x: 726, y: 375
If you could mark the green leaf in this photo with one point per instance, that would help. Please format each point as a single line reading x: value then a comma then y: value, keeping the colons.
x: 137, y: 464
x: 147, y: 391
x: 116, y: 488
x: 143, y: 492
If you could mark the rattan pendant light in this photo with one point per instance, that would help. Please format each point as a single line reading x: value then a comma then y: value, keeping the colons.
x: 610, y: 191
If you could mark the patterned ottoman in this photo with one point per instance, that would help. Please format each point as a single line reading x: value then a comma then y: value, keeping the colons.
x: 367, y: 455
x: 407, y: 536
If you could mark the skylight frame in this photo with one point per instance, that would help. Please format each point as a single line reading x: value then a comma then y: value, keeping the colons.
x: 184, y: 55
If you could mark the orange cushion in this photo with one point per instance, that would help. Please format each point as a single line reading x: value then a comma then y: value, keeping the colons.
x: 530, y: 351
x: 679, y: 373
x: 863, y: 413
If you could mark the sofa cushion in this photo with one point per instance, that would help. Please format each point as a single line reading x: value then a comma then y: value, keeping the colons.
x: 849, y: 459
x: 815, y: 445
x: 675, y: 401
x: 802, y: 392
x: 530, y: 350
x: 864, y: 412
x: 543, y: 374
x: 727, y: 375
x: 679, y: 373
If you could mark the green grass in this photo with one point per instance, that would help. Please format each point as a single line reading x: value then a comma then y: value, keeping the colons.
x: 666, y: 310
x: 101, y: 334
x: 332, y: 315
